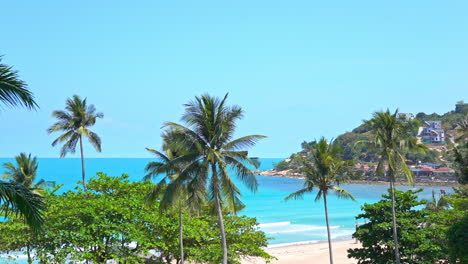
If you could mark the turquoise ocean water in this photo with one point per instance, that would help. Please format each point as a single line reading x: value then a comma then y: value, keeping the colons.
x: 292, y: 222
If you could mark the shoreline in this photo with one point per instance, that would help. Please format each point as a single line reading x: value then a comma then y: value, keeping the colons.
x: 309, y: 253
x: 310, y: 242
x: 272, y: 173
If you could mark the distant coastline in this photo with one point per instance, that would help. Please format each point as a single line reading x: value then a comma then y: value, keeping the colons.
x: 288, y: 174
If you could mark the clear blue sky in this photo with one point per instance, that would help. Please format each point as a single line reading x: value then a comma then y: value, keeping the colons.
x: 299, y: 69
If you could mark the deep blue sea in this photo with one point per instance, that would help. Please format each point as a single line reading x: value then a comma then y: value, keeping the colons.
x: 296, y: 221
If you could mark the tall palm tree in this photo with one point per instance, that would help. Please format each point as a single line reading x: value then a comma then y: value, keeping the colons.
x: 210, y: 125
x: 76, y: 121
x: 170, y: 169
x: 14, y: 91
x: 24, y: 173
x: 393, y: 137
x: 325, y: 171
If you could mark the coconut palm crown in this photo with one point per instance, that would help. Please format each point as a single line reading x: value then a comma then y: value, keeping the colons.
x: 75, y: 122
x: 14, y: 91
x: 24, y: 173
x: 209, y: 132
x: 325, y: 171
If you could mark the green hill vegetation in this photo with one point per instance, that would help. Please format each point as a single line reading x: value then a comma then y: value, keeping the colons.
x: 352, y: 149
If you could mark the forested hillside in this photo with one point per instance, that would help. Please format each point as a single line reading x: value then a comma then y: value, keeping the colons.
x: 354, y: 145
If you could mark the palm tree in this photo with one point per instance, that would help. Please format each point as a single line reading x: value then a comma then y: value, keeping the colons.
x: 393, y: 137
x: 437, y: 205
x: 75, y: 121
x: 209, y: 131
x: 325, y: 172
x: 15, y: 197
x: 168, y: 166
x: 24, y: 173
x: 14, y: 91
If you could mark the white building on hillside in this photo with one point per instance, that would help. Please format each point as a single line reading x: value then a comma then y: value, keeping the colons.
x: 433, y: 133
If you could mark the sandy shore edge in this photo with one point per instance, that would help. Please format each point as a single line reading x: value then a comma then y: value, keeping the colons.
x: 309, y: 253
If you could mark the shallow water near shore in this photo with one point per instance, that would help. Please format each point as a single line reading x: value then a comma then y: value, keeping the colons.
x: 291, y: 222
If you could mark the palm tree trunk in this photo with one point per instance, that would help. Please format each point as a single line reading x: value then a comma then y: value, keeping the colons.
x: 82, y: 164
x: 395, y: 234
x: 221, y: 229
x: 181, y: 235
x: 28, y: 251
x: 330, y: 250
x: 220, y: 218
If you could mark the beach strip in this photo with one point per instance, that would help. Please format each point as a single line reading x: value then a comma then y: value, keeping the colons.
x: 309, y: 253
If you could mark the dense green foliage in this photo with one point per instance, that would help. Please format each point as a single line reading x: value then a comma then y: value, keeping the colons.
x: 457, y: 236
x: 110, y: 221
x: 376, y: 236
x: 425, y: 236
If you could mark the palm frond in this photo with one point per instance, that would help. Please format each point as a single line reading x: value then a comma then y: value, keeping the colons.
x: 229, y: 190
x: 406, y: 170
x: 14, y: 91
x: 70, y: 145
x: 299, y: 194
x: 20, y: 200
x: 319, y: 195
x: 243, y: 173
x: 243, y: 142
x: 95, y: 140
x: 342, y: 193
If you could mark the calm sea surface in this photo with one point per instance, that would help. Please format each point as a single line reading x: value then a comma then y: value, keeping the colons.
x: 295, y: 221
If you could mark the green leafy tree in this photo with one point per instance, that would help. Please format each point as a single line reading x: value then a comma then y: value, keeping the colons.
x: 458, y: 240
x: 110, y: 222
x: 448, y: 227
x: 76, y: 121
x: 210, y: 128
x: 107, y: 222
x: 282, y: 165
x: 392, y: 137
x: 415, y: 240
x: 324, y: 172
x: 13, y: 90
x: 16, y: 236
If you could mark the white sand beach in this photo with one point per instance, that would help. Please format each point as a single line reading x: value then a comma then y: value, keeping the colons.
x: 311, y: 253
